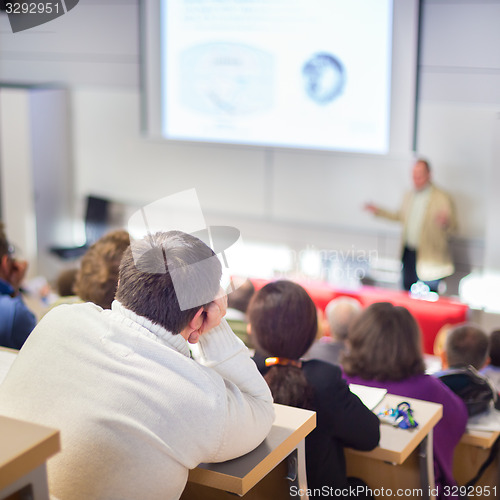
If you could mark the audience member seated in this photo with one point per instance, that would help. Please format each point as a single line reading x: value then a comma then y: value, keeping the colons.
x: 97, y: 278
x: 385, y: 350
x: 65, y: 285
x: 340, y: 313
x: 283, y: 324
x: 492, y: 370
x: 65, y: 288
x: 16, y: 320
x: 465, y: 353
x: 135, y: 411
x: 465, y: 345
x: 237, y: 305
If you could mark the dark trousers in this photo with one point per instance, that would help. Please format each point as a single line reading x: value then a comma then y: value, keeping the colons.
x: 409, y: 261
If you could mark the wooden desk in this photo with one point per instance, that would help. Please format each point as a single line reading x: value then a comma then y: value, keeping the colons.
x: 404, y: 458
x: 25, y: 447
x: 249, y: 475
x: 470, y: 453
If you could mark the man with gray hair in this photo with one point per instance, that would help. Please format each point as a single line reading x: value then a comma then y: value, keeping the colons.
x: 340, y: 313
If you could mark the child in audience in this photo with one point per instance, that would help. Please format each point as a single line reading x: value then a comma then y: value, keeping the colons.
x: 65, y: 285
x: 65, y: 289
x: 385, y: 350
x: 465, y: 353
x: 283, y: 324
x: 135, y: 412
x: 465, y: 345
x: 237, y: 305
x: 433, y: 362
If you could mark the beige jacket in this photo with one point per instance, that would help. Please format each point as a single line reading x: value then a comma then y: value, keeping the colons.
x: 433, y: 256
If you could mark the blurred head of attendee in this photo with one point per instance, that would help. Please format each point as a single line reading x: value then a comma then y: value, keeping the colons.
x: 421, y: 174
x: 331, y: 339
x: 65, y: 284
x: 283, y: 323
x: 466, y: 345
x: 340, y: 314
x: 5, y: 247
x: 97, y: 278
x: 240, y: 298
x: 12, y: 269
x: 385, y: 344
x: 494, y: 349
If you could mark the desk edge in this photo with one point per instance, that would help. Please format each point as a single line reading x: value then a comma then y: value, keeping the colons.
x: 396, y: 457
x: 242, y: 485
x: 30, y: 459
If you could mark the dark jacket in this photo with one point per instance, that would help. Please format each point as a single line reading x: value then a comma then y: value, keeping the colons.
x: 342, y: 421
x: 16, y: 320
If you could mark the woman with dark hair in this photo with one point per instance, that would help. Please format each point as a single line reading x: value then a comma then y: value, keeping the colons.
x: 385, y: 350
x: 283, y: 324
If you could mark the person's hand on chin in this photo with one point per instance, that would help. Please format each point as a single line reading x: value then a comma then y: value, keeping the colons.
x: 206, y: 318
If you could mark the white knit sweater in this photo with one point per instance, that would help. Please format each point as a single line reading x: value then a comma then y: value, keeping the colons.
x: 134, y: 410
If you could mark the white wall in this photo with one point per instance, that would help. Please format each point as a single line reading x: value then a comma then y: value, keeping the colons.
x: 279, y: 184
x: 17, y: 200
x: 459, y: 100
x: 299, y: 196
x: 35, y: 170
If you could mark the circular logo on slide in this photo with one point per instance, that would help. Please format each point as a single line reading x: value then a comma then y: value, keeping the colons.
x: 324, y: 77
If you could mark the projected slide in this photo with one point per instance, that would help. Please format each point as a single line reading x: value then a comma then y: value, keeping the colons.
x: 289, y: 73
